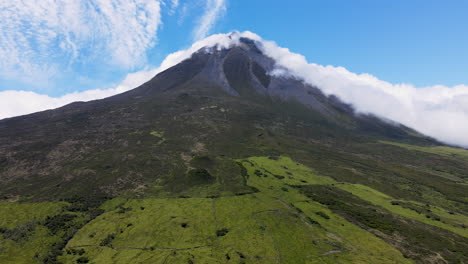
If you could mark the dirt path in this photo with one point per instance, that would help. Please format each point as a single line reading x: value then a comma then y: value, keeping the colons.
x: 254, y: 214
x: 275, y: 244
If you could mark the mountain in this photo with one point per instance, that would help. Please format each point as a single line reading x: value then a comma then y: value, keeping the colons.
x: 218, y: 160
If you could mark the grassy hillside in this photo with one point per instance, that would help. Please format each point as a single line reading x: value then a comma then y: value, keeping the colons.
x: 438, y: 150
x: 37, y: 232
x: 275, y: 225
x: 24, y: 238
x: 291, y: 215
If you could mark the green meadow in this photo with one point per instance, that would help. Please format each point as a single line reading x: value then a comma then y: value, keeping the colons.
x: 277, y: 224
x: 292, y: 216
x: 438, y: 150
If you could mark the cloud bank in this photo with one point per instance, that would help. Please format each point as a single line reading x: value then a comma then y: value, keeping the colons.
x: 437, y: 111
x: 39, y: 38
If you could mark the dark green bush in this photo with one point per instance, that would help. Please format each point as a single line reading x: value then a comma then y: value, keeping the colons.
x: 20, y: 233
x: 82, y: 260
x: 278, y: 176
x: 202, y: 162
x: 200, y: 176
x: 59, y: 222
x: 312, y: 221
x: 322, y: 214
x: 222, y: 232
x: 106, y: 242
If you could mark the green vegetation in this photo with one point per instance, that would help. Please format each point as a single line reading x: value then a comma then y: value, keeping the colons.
x: 442, y: 218
x: 438, y: 150
x: 268, y: 226
x: 417, y: 241
x: 200, y: 176
x: 38, y: 232
x: 16, y: 214
x: 24, y: 238
x: 159, y: 135
x: 425, y: 213
x: 293, y: 216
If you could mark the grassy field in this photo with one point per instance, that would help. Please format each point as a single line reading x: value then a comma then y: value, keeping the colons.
x: 15, y: 214
x: 23, y: 239
x: 301, y: 175
x: 275, y: 225
x: 438, y: 150
x: 279, y: 222
x: 428, y: 214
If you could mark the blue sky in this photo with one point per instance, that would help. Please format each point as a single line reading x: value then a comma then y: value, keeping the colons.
x: 419, y: 42
x: 424, y: 42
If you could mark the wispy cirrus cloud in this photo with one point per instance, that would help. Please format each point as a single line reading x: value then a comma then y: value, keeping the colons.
x: 40, y: 38
x: 214, y: 9
x: 174, y: 4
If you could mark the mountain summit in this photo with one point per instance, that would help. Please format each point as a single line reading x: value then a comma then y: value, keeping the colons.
x: 241, y: 161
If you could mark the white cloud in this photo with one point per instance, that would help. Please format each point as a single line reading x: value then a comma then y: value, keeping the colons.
x: 214, y: 9
x: 437, y: 111
x: 15, y: 103
x: 183, y: 13
x: 39, y: 37
x: 174, y: 6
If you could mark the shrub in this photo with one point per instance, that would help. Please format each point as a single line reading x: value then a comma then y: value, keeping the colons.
x: 202, y: 162
x: 82, y: 260
x: 200, y: 176
x: 123, y: 210
x: 222, y: 232
x: 19, y: 233
x: 322, y: 214
x: 106, y: 242
x: 312, y: 221
x: 58, y: 222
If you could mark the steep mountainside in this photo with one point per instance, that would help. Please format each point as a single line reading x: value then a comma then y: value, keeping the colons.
x: 216, y: 160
